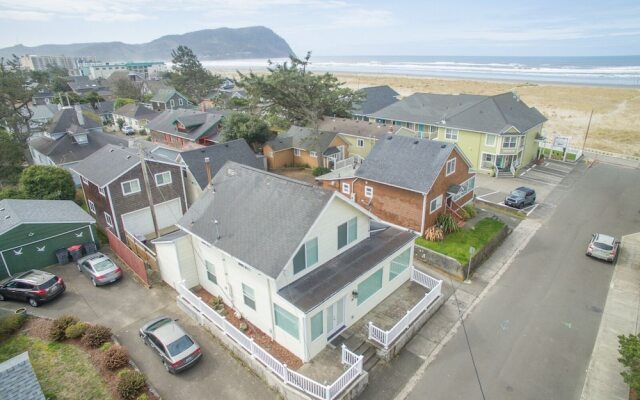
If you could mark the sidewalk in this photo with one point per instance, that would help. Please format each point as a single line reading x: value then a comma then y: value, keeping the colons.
x: 397, y: 378
x: 620, y: 317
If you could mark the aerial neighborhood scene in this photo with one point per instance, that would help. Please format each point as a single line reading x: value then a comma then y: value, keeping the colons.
x: 319, y: 200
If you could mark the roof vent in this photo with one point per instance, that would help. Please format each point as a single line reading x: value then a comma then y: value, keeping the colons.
x: 2, y: 209
x: 110, y: 150
x: 389, y: 137
x: 442, y: 146
x: 128, y: 157
x: 416, y: 142
x: 7, y: 216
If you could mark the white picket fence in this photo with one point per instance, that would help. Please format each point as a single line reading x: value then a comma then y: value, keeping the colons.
x: 211, y: 318
x: 386, y: 338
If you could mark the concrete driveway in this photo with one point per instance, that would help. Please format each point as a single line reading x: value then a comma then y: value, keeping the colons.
x: 125, y: 306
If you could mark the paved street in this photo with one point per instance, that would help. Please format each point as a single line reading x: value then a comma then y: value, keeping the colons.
x: 533, y: 334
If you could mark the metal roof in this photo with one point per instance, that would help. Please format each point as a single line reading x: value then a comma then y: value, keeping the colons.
x: 14, y: 212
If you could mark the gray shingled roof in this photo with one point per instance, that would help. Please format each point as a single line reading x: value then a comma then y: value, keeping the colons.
x: 492, y: 114
x: 365, y: 129
x: 64, y: 119
x: 405, y: 162
x: 235, y: 150
x: 164, y: 95
x: 102, y: 107
x: 65, y: 150
x: 376, y: 98
x: 136, y: 111
x: 302, y: 138
x: 14, y: 212
x: 262, y: 217
x: 18, y: 381
x: 166, y: 123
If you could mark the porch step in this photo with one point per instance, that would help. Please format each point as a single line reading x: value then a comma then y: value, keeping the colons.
x: 370, y: 359
x: 504, y: 174
x: 370, y: 363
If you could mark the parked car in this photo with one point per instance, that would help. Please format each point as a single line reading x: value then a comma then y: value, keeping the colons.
x: 35, y: 287
x: 604, y: 247
x: 521, y: 197
x: 128, y: 130
x: 99, y: 268
x: 177, y: 350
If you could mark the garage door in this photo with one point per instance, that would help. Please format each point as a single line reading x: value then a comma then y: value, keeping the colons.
x: 140, y: 222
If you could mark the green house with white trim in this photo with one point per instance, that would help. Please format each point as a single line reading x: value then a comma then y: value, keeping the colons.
x: 32, y: 230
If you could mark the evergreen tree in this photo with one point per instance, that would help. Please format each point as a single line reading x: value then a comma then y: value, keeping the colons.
x: 189, y: 77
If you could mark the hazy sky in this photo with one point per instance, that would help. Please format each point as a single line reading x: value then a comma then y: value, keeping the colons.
x: 336, y: 27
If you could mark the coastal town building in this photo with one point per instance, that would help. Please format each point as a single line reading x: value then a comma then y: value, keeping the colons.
x: 146, y: 69
x: 187, y: 129
x: 375, y: 99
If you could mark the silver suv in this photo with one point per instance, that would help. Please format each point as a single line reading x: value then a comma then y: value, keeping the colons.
x: 521, y: 197
x: 177, y: 350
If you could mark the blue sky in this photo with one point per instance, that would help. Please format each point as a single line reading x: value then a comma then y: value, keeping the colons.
x: 337, y: 27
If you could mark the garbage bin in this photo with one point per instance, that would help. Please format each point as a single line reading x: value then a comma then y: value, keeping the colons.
x: 75, y: 252
x: 63, y: 256
x: 90, y: 248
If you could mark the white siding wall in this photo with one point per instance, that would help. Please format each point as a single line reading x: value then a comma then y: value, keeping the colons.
x: 177, y: 262
x: 193, y: 188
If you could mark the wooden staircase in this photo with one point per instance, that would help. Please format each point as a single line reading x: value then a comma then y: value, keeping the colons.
x: 358, y: 344
x: 454, y: 209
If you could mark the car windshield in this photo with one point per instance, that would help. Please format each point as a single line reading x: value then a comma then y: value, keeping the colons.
x: 179, y: 345
x: 603, y: 246
x: 103, y: 265
x: 517, y: 193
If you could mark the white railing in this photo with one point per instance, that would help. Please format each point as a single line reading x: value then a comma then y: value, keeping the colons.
x: 386, y: 338
x: 212, y: 319
x: 353, y: 160
x: 550, y: 150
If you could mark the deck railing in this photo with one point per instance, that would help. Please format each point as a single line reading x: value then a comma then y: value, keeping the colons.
x: 209, y: 317
x: 387, y: 337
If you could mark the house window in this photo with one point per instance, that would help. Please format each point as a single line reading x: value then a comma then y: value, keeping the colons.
x: 173, y: 103
x: 399, y: 264
x: 108, y: 219
x: 130, y: 187
x: 451, y: 134
x: 211, y: 272
x: 360, y: 142
x: 368, y: 191
x: 180, y: 101
x: 163, y: 178
x: 465, y: 187
x: 509, y: 142
x: 317, y: 325
x: 487, y: 160
x: 92, y: 206
x: 286, y: 321
x: 411, y: 126
x: 490, y: 140
x: 347, y: 232
x: 306, y: 256
x: 435, y: 204
x: 101, y: 190
x: 369, y: 286
x: 451, y: 166
x: 314, y: 154
x: 346, y: 188
x: 296, y: 152
x: 249, y: 296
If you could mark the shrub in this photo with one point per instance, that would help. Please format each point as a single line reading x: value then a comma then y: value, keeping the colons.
x: 131, y: 384
x: 106, y: 346
x: 11, y: 323
x: 96, y: 335
x: 464, y: 214
x: 143, y: 396
x: 434, y: 234
x: 243, y: 327
x: 76, y: 330
x: 320, y: 171
x: 57, y: 331
x: 471, y: 210
x: 447, y: 223
x: 116, y: 357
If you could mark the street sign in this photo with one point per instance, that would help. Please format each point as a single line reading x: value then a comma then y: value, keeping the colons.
x: 561, y: 141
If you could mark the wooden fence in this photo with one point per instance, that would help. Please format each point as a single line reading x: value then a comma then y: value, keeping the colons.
x: 135, y: 263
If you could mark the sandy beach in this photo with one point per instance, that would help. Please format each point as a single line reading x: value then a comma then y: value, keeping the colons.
x: 615, y: 125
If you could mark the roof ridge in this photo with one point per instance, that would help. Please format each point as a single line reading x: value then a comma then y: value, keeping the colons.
x: 271, y: 174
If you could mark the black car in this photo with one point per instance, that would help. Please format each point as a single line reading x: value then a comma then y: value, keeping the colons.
x: 35, y: 287
x: 521, y: 197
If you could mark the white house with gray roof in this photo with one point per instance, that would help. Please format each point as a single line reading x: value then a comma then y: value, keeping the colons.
x: 299, y: 262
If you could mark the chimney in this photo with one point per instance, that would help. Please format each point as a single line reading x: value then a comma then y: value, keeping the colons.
x: 79, y: 114
x: 207, y: 167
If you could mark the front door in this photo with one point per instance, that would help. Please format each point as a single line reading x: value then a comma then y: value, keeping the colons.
x: 335, y: 317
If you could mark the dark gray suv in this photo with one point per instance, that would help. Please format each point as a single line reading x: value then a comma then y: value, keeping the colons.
x: 521, y: 197
x: 34, y: 287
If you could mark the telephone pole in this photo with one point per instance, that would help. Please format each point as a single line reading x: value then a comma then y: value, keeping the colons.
x: 147, y: 188
x: 587, y: 132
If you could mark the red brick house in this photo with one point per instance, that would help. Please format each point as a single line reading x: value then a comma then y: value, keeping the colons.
x: 406, y: 181
x: 187, y: 129
x: 113, y: 187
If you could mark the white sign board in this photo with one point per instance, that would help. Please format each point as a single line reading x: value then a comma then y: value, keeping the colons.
x: 561, y: 141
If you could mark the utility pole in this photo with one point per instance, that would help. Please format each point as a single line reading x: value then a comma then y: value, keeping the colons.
x: 147, y: 188
x: 587, y: 132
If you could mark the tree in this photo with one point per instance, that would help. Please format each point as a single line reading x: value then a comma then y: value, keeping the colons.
x: 47, y: 182
x: 629, y: 350
x: 189, y: 77
x: 15, y: 95
x: 120, y: 123
x: 120, y: 101
x: 303, y: 98
x: 69, y: 98
x: 93, y: 98
x: 11, y: 158
x: 241, y: 125
x: 127, y: 89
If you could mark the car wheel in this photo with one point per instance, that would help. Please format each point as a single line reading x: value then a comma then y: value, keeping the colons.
x: 166, y: 366
x: 79, y: 268
x: 33, y: 302
x: 93, y: 282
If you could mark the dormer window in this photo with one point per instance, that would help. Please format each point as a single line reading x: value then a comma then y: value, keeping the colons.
x: 81, y: 139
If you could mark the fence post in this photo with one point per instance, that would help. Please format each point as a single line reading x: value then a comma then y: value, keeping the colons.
x: 370, y: 328
x: 285, y: 373
x: 252, y: 347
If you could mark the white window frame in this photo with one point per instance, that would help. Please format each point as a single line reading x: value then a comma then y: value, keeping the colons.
x: 313, y: 154
x: 346, y: 188
x: 368, y: 192
x: 296, y: 152
x: 129, y: 182
x: 180, y: 102
x: 511, y: 140
x: 486, y: 140
x: 92, y: 206
x: 451, y: 134
x: 101, y: 191
x: 453, y: 169
x: 108, y: 219
x: 155, y: 178
x: 360, y: 142
x: 492, y: 161
x: 438, y: 203
x: 250, y: 296
x: 172, y: 103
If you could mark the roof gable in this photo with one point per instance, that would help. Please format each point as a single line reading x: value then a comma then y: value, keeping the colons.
x: 203, y: 123
x: 14, y: 212
x: 303, y: 138
x: 376, y: 98
x: 66, y: 149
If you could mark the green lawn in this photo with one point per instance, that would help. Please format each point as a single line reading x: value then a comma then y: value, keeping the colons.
x: 457, y: 244
x: 64, y: 370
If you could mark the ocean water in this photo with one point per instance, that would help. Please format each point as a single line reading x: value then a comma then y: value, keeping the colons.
x: 600, y: 71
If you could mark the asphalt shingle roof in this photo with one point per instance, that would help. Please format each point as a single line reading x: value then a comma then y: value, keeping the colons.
x: 136, y: 111
x: 164, y: 95
x: 236, y: 150
x: 14, y: 212
x: 262, y: 217
x: 376, y: 98
x: 66, y: 150
x: 365, y: 129
x: 302, y: 138
x: 102, y: 107
x: 18, y: 381
x: 492, y: 114
x: 405, y: 162
x: 65, y: 118
x: 166, y: 123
